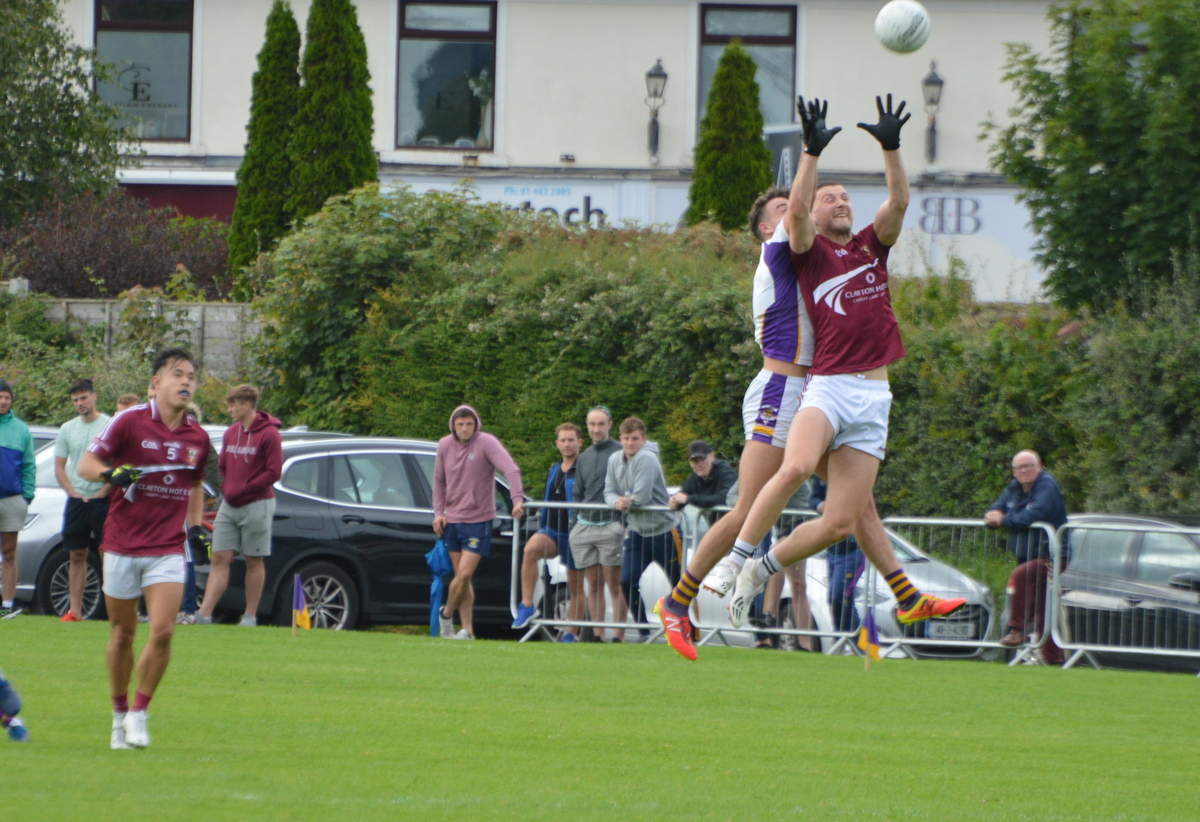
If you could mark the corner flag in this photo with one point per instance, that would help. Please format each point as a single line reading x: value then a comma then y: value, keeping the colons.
x: 868, y: 638
x: 299, y: 606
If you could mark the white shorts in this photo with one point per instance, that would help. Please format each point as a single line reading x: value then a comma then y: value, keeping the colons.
x: 125, y: 576
x: 770, y: 405
x: 856, y: 408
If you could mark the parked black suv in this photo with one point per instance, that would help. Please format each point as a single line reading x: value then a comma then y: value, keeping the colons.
x: 354, y: 517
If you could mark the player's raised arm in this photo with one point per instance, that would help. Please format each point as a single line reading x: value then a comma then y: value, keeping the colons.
x: 890, y: 217
x: 800, y: 226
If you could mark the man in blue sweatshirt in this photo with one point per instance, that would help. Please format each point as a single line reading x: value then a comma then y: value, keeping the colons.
x: 17, y: 483
x: 1033, y: 496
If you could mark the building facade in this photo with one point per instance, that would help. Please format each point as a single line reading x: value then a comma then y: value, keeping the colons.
x: 543, y: 104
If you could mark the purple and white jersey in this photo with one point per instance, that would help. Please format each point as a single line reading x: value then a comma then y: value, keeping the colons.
x: 781, y: 325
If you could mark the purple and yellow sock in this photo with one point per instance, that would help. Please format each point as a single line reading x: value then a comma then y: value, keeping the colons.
x: 681, y: 597
x: 906, y: 593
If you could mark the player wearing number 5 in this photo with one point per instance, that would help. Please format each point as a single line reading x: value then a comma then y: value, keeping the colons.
x: 157, y: 453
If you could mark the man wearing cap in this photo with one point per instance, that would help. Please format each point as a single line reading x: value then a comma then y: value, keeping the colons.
x: 710, y: 479
x: 17, y: 482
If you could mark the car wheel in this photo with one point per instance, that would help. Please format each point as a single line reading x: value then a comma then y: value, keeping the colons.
x: 331, y: 595
x: 53, y: 586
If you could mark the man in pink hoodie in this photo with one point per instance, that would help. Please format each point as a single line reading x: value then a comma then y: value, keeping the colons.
x: 464, y: 506
x: 251, y: 462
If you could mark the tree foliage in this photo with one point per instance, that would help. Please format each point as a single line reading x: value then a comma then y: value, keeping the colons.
x: 99, y: 246
x: 330, y: 145
x: 58, y: 137
x: 1105, y: 145
x: 733, y: 163
x: 318, y: 284
x: 259, y: 217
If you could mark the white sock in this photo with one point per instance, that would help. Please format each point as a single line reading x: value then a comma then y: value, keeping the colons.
x: 741, y: 552
x: 769, y: 565
x: 8, y: 603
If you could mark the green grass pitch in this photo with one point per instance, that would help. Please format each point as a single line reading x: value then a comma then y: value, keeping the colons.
x: 253, y: 725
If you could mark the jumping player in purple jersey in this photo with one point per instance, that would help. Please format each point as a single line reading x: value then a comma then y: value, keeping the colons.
x: 844, y: 407
x: 158, y: 454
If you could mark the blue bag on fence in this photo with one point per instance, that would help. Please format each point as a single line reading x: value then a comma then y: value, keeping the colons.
x: 439, y: 563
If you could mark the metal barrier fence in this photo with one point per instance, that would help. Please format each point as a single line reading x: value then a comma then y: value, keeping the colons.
x: 709, y: 613
x: 1095, y: 590
x: 1129, y: 590
x: 966, y: 558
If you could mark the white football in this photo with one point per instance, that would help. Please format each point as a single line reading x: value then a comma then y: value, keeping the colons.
x: 902, y: 25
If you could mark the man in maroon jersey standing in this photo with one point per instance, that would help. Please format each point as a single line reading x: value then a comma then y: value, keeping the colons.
x: 154, y: 456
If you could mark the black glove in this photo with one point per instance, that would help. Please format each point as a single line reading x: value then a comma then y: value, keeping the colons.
x: 887, y: 130
x: 816, y: 134
x: 124, y: 476
x: 200, y: 541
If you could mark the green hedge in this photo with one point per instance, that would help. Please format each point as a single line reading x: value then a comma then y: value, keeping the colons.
x: 389, y: 308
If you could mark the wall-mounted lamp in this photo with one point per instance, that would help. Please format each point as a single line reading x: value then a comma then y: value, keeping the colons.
x: 656, y: 81
x: 931, y: 87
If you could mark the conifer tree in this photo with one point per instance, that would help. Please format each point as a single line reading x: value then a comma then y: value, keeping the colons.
x: 733, y: 163
x: 330, y: 144
x: 259, y: 219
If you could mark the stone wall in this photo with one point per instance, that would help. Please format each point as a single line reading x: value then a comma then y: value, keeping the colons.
x: 218, y: 332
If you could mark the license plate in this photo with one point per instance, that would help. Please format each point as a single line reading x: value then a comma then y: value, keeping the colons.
x: 951, y: 630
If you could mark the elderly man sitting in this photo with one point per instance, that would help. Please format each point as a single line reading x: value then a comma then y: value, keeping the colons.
x: 1033, y: 496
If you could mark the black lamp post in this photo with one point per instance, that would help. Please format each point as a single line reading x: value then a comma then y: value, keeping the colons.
x: 656, y: 81
x: 931, y: 86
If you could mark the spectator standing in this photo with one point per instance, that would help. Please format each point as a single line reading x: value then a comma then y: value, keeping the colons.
x: 1033, y: 496
x: 464, y: 507
x: 598, y: 537
x: 846, y: 564
x: 553, y: 536
x: 18, y: 480
x: 635, y: 480
x: 709, y: 483
x: 87, y: 502
x: 251, y: 462
x: 157, y: 456
x: 769, y: 616
x: 127, y: 401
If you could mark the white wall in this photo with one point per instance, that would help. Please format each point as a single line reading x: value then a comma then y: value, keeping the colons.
x: 570, y: 77
x: 842, y: 61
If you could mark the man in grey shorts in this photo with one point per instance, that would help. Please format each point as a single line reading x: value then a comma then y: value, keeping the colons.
x: 251, y: 462
x: 598, y: 537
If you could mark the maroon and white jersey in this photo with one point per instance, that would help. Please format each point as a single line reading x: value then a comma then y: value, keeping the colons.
x: 149, y: 518
x: 845, y: 290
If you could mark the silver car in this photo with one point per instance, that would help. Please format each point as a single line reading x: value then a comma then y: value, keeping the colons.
x: 41, y: 560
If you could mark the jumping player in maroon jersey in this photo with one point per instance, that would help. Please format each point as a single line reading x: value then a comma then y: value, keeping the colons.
x: 844, y: 407
x: 157, y: 453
